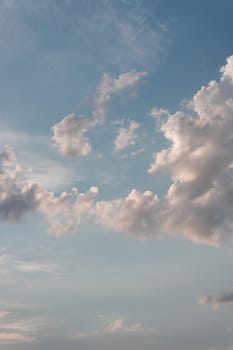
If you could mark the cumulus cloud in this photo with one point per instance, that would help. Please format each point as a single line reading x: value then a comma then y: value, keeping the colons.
x: 16, y: 195
x: 216, y: 301
x: 199, y: 159
x: 19, y: 196
x: 118, y: 326
x: 64, y: 212
x: 126, y: 136
x: 69, y: 135
x: 135, y: 214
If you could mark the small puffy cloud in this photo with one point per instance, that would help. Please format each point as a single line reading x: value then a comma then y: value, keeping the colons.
x: 14, y: 330
x: 216, y: 301
x: 159, y: 112
x: 69, y: 135
x: 135, y: 214
x: 118, y: 326
x: 126, y: 136
x: 199, y: 160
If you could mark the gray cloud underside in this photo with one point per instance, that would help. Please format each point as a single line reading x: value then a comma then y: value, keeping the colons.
x: 216, y: 301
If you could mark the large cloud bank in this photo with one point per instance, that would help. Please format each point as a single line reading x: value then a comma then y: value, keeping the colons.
x: 199, y: 160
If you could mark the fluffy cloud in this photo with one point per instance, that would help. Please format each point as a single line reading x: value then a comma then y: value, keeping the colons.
x: 135, y: 214
x: 126, y: 136
x: 19, y: 196
x: 199, y: 160
x: 216, y: 301
x: 69, y: 135
x: 16, y: 195
x: 64, y: 212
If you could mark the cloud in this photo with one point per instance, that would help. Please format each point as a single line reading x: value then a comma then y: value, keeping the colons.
x: 19, y: 196
x: 14, y: 330
x: 135, y: 214
x: 118, y: 326
x: 199, y: 160
x: 109, y: 86
x: 159, y: 112
x: 126, y: 136
x: 69, y: 135
x: 16, y: 195
x: 11, y: 263
x: 216, y: 301
x: 15, y: 338
x: 64, y: 212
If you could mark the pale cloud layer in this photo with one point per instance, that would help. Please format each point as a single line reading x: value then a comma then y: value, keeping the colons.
x: 126, y: 136
x: 69, y: 135
x: 15, y: 330
x: 198, y: 204
x: 118, y: 326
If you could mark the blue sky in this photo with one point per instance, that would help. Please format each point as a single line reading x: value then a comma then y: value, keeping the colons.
x: 116, y: 175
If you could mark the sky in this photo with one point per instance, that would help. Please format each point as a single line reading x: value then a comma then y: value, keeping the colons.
x: 116, y: 183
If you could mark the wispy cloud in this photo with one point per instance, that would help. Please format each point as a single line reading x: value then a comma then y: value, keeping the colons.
x: 12, y: 263
x: 69, y: 135
x: 15, y: 330
x: 118, y: 326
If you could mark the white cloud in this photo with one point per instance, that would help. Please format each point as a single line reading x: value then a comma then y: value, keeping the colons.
x: 64, y: 212
x: 19, y: 196
x: 12, y: 263
x: 126, y: 136
x: 69, y: 135
x: 159, y: 112
x: 109, y: 86
x: 199, y: 159
x: 135, y: 214
x: 118, y: 326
